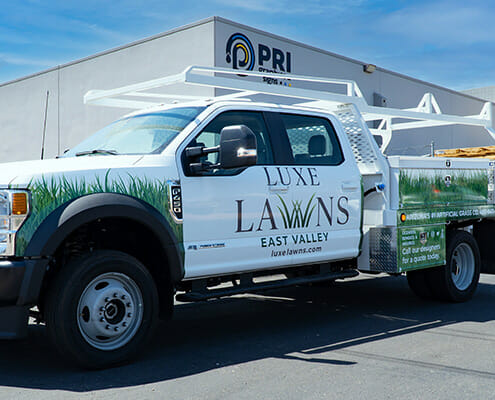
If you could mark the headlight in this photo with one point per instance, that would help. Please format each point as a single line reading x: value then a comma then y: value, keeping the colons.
x: 14, y: 209
x: 4, y: 203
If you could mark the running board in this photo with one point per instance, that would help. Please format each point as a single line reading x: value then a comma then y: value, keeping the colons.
x: 251, y: 287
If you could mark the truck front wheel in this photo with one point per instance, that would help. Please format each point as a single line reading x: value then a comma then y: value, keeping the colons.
x: 101, y: 309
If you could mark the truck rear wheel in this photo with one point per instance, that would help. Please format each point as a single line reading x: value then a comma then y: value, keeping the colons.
x: 458, y: 279
x: 101, y: 309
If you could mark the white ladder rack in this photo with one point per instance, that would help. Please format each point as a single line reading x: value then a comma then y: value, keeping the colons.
x: 337, y: 92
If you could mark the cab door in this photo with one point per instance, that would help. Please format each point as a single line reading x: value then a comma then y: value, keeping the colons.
x: 229, y: 216
x: 324, y: 215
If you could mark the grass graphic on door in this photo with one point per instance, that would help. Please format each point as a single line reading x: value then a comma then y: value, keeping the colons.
x: 297, y: 216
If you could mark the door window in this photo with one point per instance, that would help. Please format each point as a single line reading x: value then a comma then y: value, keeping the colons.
x: 312, y: 139
x: 210, y: 137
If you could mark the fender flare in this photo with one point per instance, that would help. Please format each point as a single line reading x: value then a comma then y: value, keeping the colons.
x: 68, y: 217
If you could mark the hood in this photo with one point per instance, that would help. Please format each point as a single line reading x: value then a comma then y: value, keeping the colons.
x: 19, y: 174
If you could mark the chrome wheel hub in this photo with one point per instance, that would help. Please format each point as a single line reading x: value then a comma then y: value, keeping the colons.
x: 110, y: 311
x: 462, y: 266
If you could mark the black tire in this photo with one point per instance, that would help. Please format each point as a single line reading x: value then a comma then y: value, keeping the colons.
x: 86, y: 280
x: 448, y: 282
x: 418, y: 283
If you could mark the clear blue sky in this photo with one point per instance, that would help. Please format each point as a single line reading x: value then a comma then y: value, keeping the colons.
x: 450, y: 43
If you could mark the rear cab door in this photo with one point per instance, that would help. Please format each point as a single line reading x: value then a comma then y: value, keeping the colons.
x: 229, y: 214
x: 323, y: 218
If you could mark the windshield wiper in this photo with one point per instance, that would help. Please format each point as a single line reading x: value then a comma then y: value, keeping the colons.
x: 97, y: 151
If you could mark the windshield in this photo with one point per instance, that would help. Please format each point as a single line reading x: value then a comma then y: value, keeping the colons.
x: 141, y: 134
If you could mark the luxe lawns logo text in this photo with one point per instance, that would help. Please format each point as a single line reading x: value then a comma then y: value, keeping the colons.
x: 319, y: 210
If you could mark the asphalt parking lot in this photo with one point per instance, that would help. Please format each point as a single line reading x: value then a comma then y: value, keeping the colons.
x: 364, y: 338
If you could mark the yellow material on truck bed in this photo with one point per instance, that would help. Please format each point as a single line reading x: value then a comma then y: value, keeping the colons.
x: 468, y: 152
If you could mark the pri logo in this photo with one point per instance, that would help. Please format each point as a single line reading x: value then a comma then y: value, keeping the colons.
x: 240, y: 52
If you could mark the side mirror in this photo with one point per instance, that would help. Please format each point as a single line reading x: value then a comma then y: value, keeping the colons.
x: 237, y: 147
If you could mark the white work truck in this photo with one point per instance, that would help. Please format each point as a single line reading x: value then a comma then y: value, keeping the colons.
x: 200, y: 198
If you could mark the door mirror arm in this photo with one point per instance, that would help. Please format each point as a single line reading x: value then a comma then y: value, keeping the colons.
x: 195, y: 153
x: 237, y: 149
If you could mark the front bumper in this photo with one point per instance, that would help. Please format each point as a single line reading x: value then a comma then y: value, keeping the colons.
x: 13, y: 322
x: 13, y: 318
x: 11, y: 276
x: 19, y: 288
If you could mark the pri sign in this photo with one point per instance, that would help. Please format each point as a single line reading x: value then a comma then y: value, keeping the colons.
x: 241, y: 54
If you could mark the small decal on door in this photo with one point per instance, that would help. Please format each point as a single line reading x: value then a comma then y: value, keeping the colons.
x: 205, y: 246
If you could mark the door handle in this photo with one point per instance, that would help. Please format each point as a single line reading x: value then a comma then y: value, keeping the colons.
x: 349, y: 186
x: 279, y: 189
